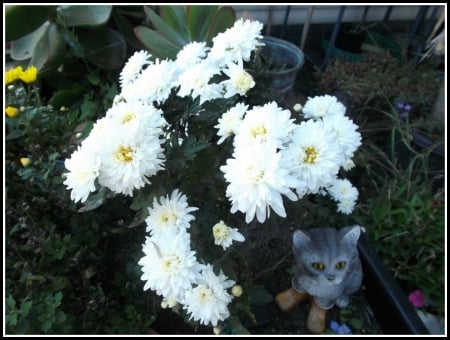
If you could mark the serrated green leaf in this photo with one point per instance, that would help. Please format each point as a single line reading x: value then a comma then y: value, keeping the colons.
x: 223, y: 20
x: 22, y: 20
x: 85, y: 15
x: 199, y: 19
x: 23, y: 48
x: 165, y: 29
x: 158, y: 45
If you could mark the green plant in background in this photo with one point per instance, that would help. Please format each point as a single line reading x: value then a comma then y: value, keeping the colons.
x: 404, y: 213
x: 172, y: 27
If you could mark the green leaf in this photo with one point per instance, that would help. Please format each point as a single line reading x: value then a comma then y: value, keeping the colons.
x: 156, y: 43
x: 85, y: 15
x: 49, y: 51
x: 127, y: 30
x: 236, y: 327
x: 23, y: 48
x: 104, y: 47
x: 199, y: 19
x: 223, y: 20
x: 166, y: 30
x: 175, y: 16
x: 67, y: 97
x: 22, y: 20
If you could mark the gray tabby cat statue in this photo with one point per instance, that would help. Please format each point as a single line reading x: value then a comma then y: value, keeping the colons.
x: 327, y: 271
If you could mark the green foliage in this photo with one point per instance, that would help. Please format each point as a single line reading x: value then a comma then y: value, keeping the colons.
x: 175, y: 26
x: 403, y: 213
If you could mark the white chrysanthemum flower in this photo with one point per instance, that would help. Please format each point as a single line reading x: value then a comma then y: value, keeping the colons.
x: 224, y: 235
x: 137, y: 116
x: 128, y: 159
x: 314, y: 156
x: 84, y: 167
x: 240, y: 80
x: 319, y: 106
x: 230, y: 121
x: 257, y: 180
x: 169, y: 265
x: 237, y: 42
x: 345, y: 194
x: 208, y: 301
x: 191, y: 54
x: 172, y: 212
x: 133, y: 67
x: 265, y: 124
x: 346, y: 132
x: 154, y: 84
x: 194, y: 82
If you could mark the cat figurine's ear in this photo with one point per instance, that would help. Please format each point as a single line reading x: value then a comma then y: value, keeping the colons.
x: 351, y: 234
x: 300, y: 240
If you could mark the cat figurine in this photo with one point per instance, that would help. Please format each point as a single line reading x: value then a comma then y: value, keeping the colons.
x: 327, y: 271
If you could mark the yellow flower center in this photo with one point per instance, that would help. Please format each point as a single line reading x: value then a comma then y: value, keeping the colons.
x: 310, y: 155
x: 243, y: 82
x: 170, y: 263
x: 221, y: 231
x: 128, y: 117
x: 167, y: 218
x: 259, y: 130
x: 125, y: 154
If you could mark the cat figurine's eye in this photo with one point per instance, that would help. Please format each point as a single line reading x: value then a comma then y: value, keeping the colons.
x: 318, y: 265
x: 340, y: 265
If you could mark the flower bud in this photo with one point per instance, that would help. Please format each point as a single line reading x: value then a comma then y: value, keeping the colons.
x: 25, y: 161
x: 298, y: 107
x: 217, y: 330
x: 236, y: 290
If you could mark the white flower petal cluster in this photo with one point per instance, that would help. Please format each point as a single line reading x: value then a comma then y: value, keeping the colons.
x: 208, y: 301
x: 225, y: 235
x: 274, y: 156
x: 345, y: 194
x: 167, y: 213
x: 133, y: 67
x: 170, y: 267
x: 230, y: 121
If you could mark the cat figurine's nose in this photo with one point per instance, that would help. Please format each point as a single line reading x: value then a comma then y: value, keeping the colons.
x: 330, y: 277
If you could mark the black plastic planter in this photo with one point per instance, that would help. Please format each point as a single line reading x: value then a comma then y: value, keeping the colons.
x: 392, y: 309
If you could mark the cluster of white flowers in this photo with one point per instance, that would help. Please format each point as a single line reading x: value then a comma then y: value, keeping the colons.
x: 170, y: 266
x: 273, y: 156
x: 124, y: 149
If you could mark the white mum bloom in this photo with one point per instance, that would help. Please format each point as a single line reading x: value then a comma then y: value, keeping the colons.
x: 133, y: 67
x: 194, y: 82
x: 169, y: 265
x: 346, y: 132
x: 128, y: 159
x: 172, y: 212
x: 237, y: 42
x: 230, y: 121
x: 240, y: 80
x: 265, y: 124
x: 345, y: 194
x: 135, y: 116
x: 208, y: 301
x: 191, y: 54
x: 314, y: 156
x: 84, y: 167
x: 257, y: 180
x: 224, y: 235
x: 319, y: 106
x: 154, y: 84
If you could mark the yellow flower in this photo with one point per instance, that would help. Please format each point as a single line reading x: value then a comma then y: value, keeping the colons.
x: 11, y: 111
x: 25, y: 161
x: 29, y: 75
x: 13, y: 74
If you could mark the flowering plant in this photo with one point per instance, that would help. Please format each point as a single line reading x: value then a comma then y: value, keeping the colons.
x: 183, y: 143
